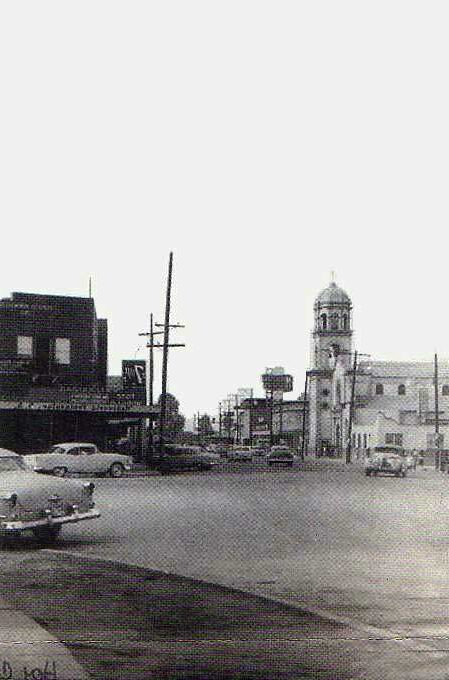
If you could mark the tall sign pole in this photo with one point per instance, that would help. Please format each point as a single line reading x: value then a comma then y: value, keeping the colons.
x: 163, y: 413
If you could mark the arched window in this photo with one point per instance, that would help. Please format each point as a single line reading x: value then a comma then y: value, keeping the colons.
x: 401, y: 389
x: 445, y: 391
x: 324, y: 322
x: 365, y: 441
x: 345, y: 322
x: 334, y: 322
x: 379, y: 388
x: 359, y: 441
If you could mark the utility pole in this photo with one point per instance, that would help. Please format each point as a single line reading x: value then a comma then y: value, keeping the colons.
x: 236, y: 408
x: 219, y: 419
x: 165, y: 347
x: 250, y: 423
x: 437, y: 416
x: 351, y: 410
x: 303, y: 443
x: 151, y: 346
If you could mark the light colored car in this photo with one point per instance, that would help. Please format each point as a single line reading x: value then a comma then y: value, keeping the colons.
x: 29, y: 501
x: 79, y: 457
x: 386, y: 460
x: 243, y: 453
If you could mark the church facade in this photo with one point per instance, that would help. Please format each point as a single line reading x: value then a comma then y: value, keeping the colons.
x: 394, y: 402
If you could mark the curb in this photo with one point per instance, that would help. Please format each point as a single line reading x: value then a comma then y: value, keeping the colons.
x: 29, y: 652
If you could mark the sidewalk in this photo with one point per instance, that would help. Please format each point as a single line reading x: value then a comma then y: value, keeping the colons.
x: 28, y: 651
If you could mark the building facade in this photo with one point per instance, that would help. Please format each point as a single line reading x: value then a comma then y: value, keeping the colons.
x: 394, y: 402
x: 53, y: 374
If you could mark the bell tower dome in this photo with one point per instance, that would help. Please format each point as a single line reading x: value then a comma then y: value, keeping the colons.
x: 332, y: 333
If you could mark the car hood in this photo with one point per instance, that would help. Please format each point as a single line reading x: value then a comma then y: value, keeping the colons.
x: 33, y: 489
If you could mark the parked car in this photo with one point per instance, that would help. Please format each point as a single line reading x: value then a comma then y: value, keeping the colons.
x: 410, y: 461
x: 29, y: 501
x: 386, y: 460
x: 280, y: 456
x: 180, y: 458
x: 79, y: 457
x: 242, y: 453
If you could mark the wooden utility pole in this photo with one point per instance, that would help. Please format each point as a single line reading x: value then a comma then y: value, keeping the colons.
x: 250, y: 423
x: 151, y: 346
x: 303, y: 443
x: 351, y: 410
x: 437, y: 415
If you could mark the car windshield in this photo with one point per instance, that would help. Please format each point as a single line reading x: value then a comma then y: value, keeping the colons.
x: 57, y: 449
x: 11, y: 464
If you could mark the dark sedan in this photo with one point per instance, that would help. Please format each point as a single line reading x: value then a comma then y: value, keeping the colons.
x: 181, y: 458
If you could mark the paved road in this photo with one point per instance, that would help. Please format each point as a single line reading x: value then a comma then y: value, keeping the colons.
x: 372, y: 550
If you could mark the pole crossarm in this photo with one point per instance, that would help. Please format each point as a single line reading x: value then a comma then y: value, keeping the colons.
x: 158, y: 344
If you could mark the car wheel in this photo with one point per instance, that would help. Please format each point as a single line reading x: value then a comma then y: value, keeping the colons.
x: 46, y: 534
x: 116, y: 470
x: 59, y: 471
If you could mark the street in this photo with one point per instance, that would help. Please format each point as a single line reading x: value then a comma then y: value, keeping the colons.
x: 372, y: 551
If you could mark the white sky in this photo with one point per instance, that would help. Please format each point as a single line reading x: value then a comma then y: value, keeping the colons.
x: 265, y: 143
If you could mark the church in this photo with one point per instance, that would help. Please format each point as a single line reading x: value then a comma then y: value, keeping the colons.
x: 394, y: 402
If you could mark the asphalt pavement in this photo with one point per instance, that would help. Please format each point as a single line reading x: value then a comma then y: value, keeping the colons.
x: 357, y: 567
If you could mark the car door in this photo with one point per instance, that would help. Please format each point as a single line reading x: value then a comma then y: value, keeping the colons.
x: 92, y: 461
x: 70, y: 459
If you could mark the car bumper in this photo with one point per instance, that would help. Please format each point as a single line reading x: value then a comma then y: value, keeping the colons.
x: 14, y: 526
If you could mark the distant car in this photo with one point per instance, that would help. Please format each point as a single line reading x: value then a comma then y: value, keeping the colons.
x: 79, y: 457
x: 280, y: 456
x: 386, y: 460
x: 182, y: 458
x: 410, y: 461
x: 242, y: 453
x: 42, y: 505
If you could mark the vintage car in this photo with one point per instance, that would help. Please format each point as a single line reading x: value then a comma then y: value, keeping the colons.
x: 79, y: 457
x: 386, y: 460
x: 242, y: 453
x: 31, y: 501
x: 280, y: 456
x: 181, y: 458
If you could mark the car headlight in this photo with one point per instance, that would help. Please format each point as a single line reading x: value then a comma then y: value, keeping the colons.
x: 8, y: 505
x: 88, y: 488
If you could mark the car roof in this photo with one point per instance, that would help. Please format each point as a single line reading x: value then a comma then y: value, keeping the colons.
x: 6, y: 453
x: 66, y: 444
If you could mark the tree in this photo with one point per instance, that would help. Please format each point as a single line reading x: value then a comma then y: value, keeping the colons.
x: 205, y: 424
x: 174, y: 421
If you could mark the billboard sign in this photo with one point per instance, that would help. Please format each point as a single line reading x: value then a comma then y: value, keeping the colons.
x: 275, y: 382
x: 134, y: 374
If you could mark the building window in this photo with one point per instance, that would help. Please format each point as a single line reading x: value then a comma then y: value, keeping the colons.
x: 325, y: 392
x: 324, y: 321
x: 334, y: 322
x: 365, y: 441
x: 394, y: 438
x: 379, y: 388
x: 345, y: 322
x: 354, y: 440
x: 445, y: 391
x: 401, y: 389
x: 24, y: 346
x: 359, y: 441
x: 62, y: 351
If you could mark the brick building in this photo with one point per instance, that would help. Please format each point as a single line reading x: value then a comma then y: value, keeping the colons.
x: 53, y: 374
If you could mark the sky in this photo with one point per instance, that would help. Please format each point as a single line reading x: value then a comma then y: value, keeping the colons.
x: 264, y: 143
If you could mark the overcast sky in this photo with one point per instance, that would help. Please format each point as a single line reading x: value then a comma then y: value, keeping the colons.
x: 265, y: 143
